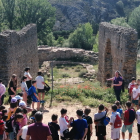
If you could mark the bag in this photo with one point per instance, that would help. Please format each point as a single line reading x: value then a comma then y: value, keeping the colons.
x: 30, y: 92
x: 106, y: 121
x: 66, y: 133
x: 132, y: 116
x: 9, y: 127
x: 118, y: 122
x: 47, y: 87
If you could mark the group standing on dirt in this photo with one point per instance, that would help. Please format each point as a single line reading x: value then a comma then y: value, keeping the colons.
x: 22, y: 122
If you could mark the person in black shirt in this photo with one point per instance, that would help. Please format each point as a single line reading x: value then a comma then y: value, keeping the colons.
x: 12, y: 87
x: 89, y: 122
x: 54, y: 127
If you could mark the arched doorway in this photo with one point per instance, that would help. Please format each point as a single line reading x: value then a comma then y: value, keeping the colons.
x: 108, y: 63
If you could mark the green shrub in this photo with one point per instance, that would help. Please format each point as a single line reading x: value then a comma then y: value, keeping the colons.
x: 64, y: 75
x: 82, y: 73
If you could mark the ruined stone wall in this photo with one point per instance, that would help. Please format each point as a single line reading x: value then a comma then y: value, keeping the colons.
x: 66, y: 54
x: 18, y: 49
x: 117, y: 51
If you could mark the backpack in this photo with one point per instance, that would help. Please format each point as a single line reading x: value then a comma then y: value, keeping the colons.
x: 132, y: 116
x: 118, y: 122
x: 9, y: 127
x: 106, y: 121
x: 30, y: 91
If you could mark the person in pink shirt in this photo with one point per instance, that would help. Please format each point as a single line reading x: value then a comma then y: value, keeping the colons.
x: 2, y: 92
x: 25, y: 119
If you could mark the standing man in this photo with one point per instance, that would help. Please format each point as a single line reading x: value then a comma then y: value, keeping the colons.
x: 2, y: 92
x: 40, y: 86
x: 38, y: 130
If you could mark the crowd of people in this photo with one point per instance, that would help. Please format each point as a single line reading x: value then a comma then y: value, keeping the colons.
x: 22, y: 122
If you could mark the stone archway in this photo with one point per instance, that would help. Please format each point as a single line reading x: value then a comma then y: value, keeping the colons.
x: 108, y: 62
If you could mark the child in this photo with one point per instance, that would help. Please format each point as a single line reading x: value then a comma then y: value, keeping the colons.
x: 4, y: 118
x: 63, y: 123
x: 23, y: 105
x: 89, y: 122
x: 13, y: 107
x: 100, y: 129
x: 25, y: 119
x: 128, y: 120
x: 2, y: 108
x: 1, y: 127
x: 16, y: 124
x: 115, y: 132
x: 54, y: 127
x: 18, y: 99
x: 23, y: 131
x: 135, y: 96
x: 4, y: 112
x: 131, y: 86
x: 119, y: 109
x: 138, y: 122
x: 34, y: 95
x: 32, y: 117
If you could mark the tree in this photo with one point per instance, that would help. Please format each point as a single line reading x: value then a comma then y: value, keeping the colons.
x: 134, y: 20
x: 82, y: 37
x: 50, y: 39
x: 9, y: 11
x: 95, y: 46
x: 39, y: 12
x: 120, y: 21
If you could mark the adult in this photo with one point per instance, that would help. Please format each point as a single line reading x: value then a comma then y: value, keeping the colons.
x: 12, y: 87
x: 40, y: 86
x: 29, y: 77
x: 24, y: 88
x: 38, y: 130
x: 117, y: 84
x: 81, y: 126
x: 2, y: 92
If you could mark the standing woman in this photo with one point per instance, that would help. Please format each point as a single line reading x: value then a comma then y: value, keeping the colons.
x: 12, y: 87
x: 24, y: 88
x: 29, y: 77
x: 117, y: 84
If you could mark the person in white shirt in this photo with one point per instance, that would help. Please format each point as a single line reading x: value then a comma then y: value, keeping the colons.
x: 135, y: 96
x: 2, y: 92
x: 29, y: 77
x: 138, y: 122
x: 115, y: 132
x: 40, y: 86
x: 63, y: 123
x: 24, y: 88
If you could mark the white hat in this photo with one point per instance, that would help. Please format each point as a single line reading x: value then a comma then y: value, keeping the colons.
x: 18, y: 97
x: 22, y: 103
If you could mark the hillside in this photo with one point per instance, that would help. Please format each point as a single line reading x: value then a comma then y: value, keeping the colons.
x: 70, y: 13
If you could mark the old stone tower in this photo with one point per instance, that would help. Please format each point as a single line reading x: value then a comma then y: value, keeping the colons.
x: 117, y: 51
x: 18, y: 49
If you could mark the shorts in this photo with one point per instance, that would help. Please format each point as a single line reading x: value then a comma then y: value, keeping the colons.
x: 100, y: 131
x: 34, y: 99
x: 41, y: 90
x: 138, y: 127
x: 135, y: 102
x: 127, y: 127
x: 115, y: 133
x: 11, y: 135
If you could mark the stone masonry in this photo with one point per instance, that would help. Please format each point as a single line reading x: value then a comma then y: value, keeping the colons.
x: 18, y: 49
x: 117, y: 51
x: 46, y: 53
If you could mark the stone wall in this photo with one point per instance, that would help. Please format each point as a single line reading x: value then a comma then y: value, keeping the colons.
x: 18, y: 49
x: 66, y: 54
x: 117, y: 51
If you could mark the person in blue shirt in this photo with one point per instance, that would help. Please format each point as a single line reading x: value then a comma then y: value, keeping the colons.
x: 119, y: 109
x: 81, y: 126
x: 34, y: 96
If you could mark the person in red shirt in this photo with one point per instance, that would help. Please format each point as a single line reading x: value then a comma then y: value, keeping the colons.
x: 38, y: 130
x: 1, y: 127
x: 131, y: 86
x: 127, y: 124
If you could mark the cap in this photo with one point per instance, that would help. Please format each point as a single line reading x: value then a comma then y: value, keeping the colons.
x: 18, y: 97
x: 13, y: 100
x: 22, y: 103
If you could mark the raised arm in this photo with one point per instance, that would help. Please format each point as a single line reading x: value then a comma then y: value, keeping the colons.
x: 110, y: 79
